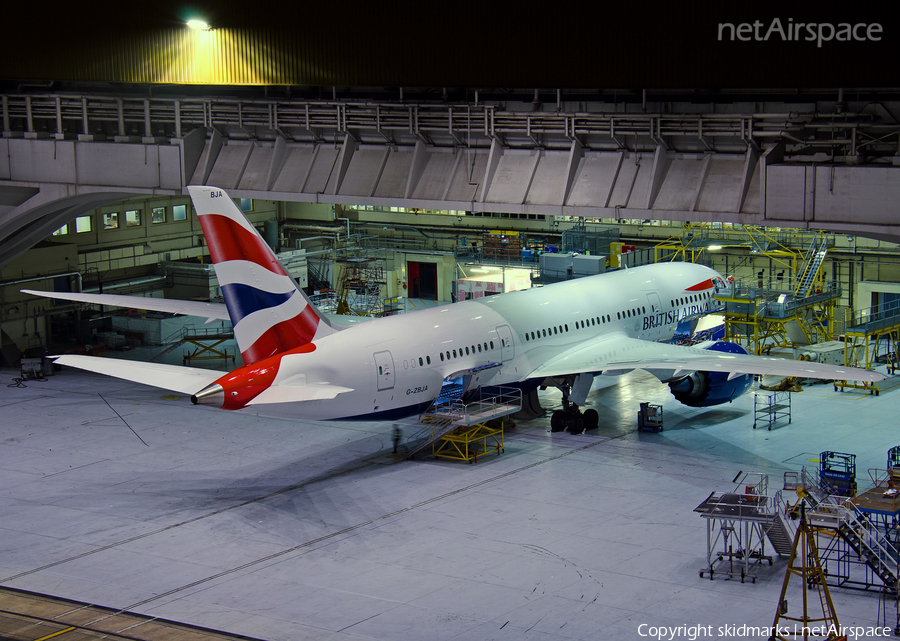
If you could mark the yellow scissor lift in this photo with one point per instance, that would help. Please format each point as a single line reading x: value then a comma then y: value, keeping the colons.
x: 206, y: 343
x: 868, y: 334
x: 460, y: 429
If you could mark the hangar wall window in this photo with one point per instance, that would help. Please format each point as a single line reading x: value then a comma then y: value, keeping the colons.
x: 179, y: 212
x: 62, y: 231
x: 111, y: 220
x: 133, y: 218
x: 158, y: 215
x: 82, y: 224
x: 246, y: 204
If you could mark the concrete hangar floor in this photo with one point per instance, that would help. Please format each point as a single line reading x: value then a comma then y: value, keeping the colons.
x: 123, y: 496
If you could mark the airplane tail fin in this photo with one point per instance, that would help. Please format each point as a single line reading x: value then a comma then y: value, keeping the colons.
x: 269, y: 312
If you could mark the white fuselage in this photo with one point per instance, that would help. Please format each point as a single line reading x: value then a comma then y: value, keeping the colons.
x: 396, y: 365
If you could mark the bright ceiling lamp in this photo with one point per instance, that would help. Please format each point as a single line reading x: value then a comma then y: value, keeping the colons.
x: 199, y: 25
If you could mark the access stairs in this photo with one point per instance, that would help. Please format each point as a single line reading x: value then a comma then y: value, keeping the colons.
x: 458, y: 429
x: 812, y: 264
x: 879, y: 555
x: 739, y: 523
x: 779, y: 533
x: 839, y: 519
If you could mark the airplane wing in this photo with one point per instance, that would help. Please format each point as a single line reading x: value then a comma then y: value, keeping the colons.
x: 293, y: 393
x: 620, y: 353
x: 209, y: 311
x: 186, y: 380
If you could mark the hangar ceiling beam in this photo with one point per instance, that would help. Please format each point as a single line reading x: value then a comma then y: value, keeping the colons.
x: 494, y: 157
x: 345, y: 156
x: 576, y: 153
x: 276, y: 165
x: 596, y: 126
x: 657, y: 174
x: 780, y: 169
x: 704, y: 172
x: 751, y: 159
x: 419, y: 160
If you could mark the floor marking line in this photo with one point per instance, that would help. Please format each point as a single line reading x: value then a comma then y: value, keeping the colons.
x: 360, y: 525
x: 56, y: 634
x: 306, y: 544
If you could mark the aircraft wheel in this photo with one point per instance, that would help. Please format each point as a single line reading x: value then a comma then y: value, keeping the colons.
x: 576, y: 424
x: 591, y: 420
x: 557, y: 421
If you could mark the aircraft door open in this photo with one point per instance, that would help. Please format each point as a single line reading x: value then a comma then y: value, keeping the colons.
x: 504, y: 333
x: 385, y: 364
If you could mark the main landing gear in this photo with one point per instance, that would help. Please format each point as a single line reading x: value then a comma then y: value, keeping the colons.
x: 570, y: 417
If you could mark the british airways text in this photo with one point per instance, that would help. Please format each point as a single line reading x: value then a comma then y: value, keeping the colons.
x: 671, y: 317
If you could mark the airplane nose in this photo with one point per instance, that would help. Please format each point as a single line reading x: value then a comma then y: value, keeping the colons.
x: 211, y: 395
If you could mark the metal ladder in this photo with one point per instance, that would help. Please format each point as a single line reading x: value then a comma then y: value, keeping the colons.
x: 879, y: 554
x: 439, y: 428
x: 812, y: 262
x: 779, y: 534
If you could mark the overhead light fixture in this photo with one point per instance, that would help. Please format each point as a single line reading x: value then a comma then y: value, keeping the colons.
x: 197, y: 24
x: 713, y: 248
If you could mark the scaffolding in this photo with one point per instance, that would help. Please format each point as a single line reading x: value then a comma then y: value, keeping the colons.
x: 856, y: 537
x: 594, y: 240
x: 760, y: 318
x: 361, y: 279
x: 206, y: 342
x: 739, y: 523
x: 465, y: 429
x: 804, y: 563
x: 871, y: 335
x: 798, y: 311
x: 769, y: 406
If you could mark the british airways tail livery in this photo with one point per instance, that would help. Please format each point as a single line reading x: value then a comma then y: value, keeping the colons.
x: 299, y: 364
x: 270, y: 314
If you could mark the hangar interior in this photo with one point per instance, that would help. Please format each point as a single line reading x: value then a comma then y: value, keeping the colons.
x: 133, y: 508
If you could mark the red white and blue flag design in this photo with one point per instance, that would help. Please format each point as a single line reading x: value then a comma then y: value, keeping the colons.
x: 269, y: 312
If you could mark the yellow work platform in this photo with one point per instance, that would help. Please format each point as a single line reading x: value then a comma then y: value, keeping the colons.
x: 467, y: 442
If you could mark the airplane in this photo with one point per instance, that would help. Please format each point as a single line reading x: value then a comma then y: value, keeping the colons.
x: 299, y: 363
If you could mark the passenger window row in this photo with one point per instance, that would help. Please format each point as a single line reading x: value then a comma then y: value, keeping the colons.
x: 562, y: 329
x: 628, y: 313
x: 465, y: 351
x: 694, y: 298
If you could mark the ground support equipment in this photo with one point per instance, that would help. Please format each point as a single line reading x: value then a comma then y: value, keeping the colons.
x: 742, y: 521
x: 770, y: 406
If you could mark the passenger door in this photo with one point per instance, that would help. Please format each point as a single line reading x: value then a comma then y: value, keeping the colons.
x: 384, y: 363
x: 507, y: 351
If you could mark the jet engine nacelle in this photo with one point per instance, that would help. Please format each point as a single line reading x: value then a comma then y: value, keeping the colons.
x: 704, y: 389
